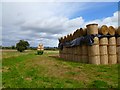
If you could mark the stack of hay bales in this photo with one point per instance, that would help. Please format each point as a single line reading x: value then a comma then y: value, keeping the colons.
x: 103, y: 45
x: 112, y: 58
x: 93, y: 51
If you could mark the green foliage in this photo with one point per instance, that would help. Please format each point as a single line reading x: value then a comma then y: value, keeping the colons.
x: 13, y: 47
x: 22, y: 45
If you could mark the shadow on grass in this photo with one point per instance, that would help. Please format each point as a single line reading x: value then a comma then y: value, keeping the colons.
x: 56, y: 57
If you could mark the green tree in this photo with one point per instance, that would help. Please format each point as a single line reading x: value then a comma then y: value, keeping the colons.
x: 22, y: 45
x: 13, y: 47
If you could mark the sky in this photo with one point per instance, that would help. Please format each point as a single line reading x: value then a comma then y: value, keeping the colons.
x: 46, y: 21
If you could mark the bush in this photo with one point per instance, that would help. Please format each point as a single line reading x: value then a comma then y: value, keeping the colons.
x: 22, y: 45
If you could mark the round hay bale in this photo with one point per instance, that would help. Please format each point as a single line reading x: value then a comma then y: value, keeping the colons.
x: 118, y: 30
x: 112, y: 50
x: 103, y: 30
x: 76, y: 58
x: 112, y: 59
x: 92, y: 29
x: 112, y: 41
x: 104, y: 59
x: 61, y: 39
x: 79, y: 33
x: 71, y: 37
x: 79, y: 50
x: 96, y: 40
x: 79, y: 53
x: 118, y: 41
x: 93, y: 50
x: 118, y: 50
x: 84, y: 58
x: 84, y: 50
x: 111, y: 30
x: 104, y: 41
x: 75, y: 50
x: 103, y: 50
x: 94, y: 60
x: 84, y: 31
x: 79, y: 58
x: 70, y: 57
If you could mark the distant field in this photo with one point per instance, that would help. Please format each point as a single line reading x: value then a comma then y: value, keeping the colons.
x: 28, y: 70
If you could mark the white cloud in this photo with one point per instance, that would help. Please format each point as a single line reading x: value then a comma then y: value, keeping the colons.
x: 44, y: 22
x: 113, y: 20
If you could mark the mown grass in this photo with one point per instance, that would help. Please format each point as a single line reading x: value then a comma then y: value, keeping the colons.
x: 48, y: 71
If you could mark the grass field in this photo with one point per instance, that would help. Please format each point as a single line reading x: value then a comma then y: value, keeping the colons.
x: 28, y: 70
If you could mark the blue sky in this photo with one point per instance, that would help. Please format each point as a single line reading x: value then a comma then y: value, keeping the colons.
x: 45, y: 22
x: 97, y: 10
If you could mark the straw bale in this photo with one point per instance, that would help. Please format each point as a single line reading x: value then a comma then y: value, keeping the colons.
x: 111, y: 30
x: 112, y: 59
x: 103, y: 30
x: 94, y: 60
x: 92, y: 29
x: 104, y: 41
x: 118, y: 41
x: 112, y: 50
x: 93, y: 50
x: 112, y: 41
x: 118, y: 30
x: 103, y: 50
x: 104, y: 59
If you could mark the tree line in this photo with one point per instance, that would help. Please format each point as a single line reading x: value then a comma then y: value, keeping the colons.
x: 23, y: 45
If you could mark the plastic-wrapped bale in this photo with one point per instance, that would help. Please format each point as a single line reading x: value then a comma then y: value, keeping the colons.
x: 84, y: 54
x: 112, y: 57
x: 93, y: 51
x: 104, y: 50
